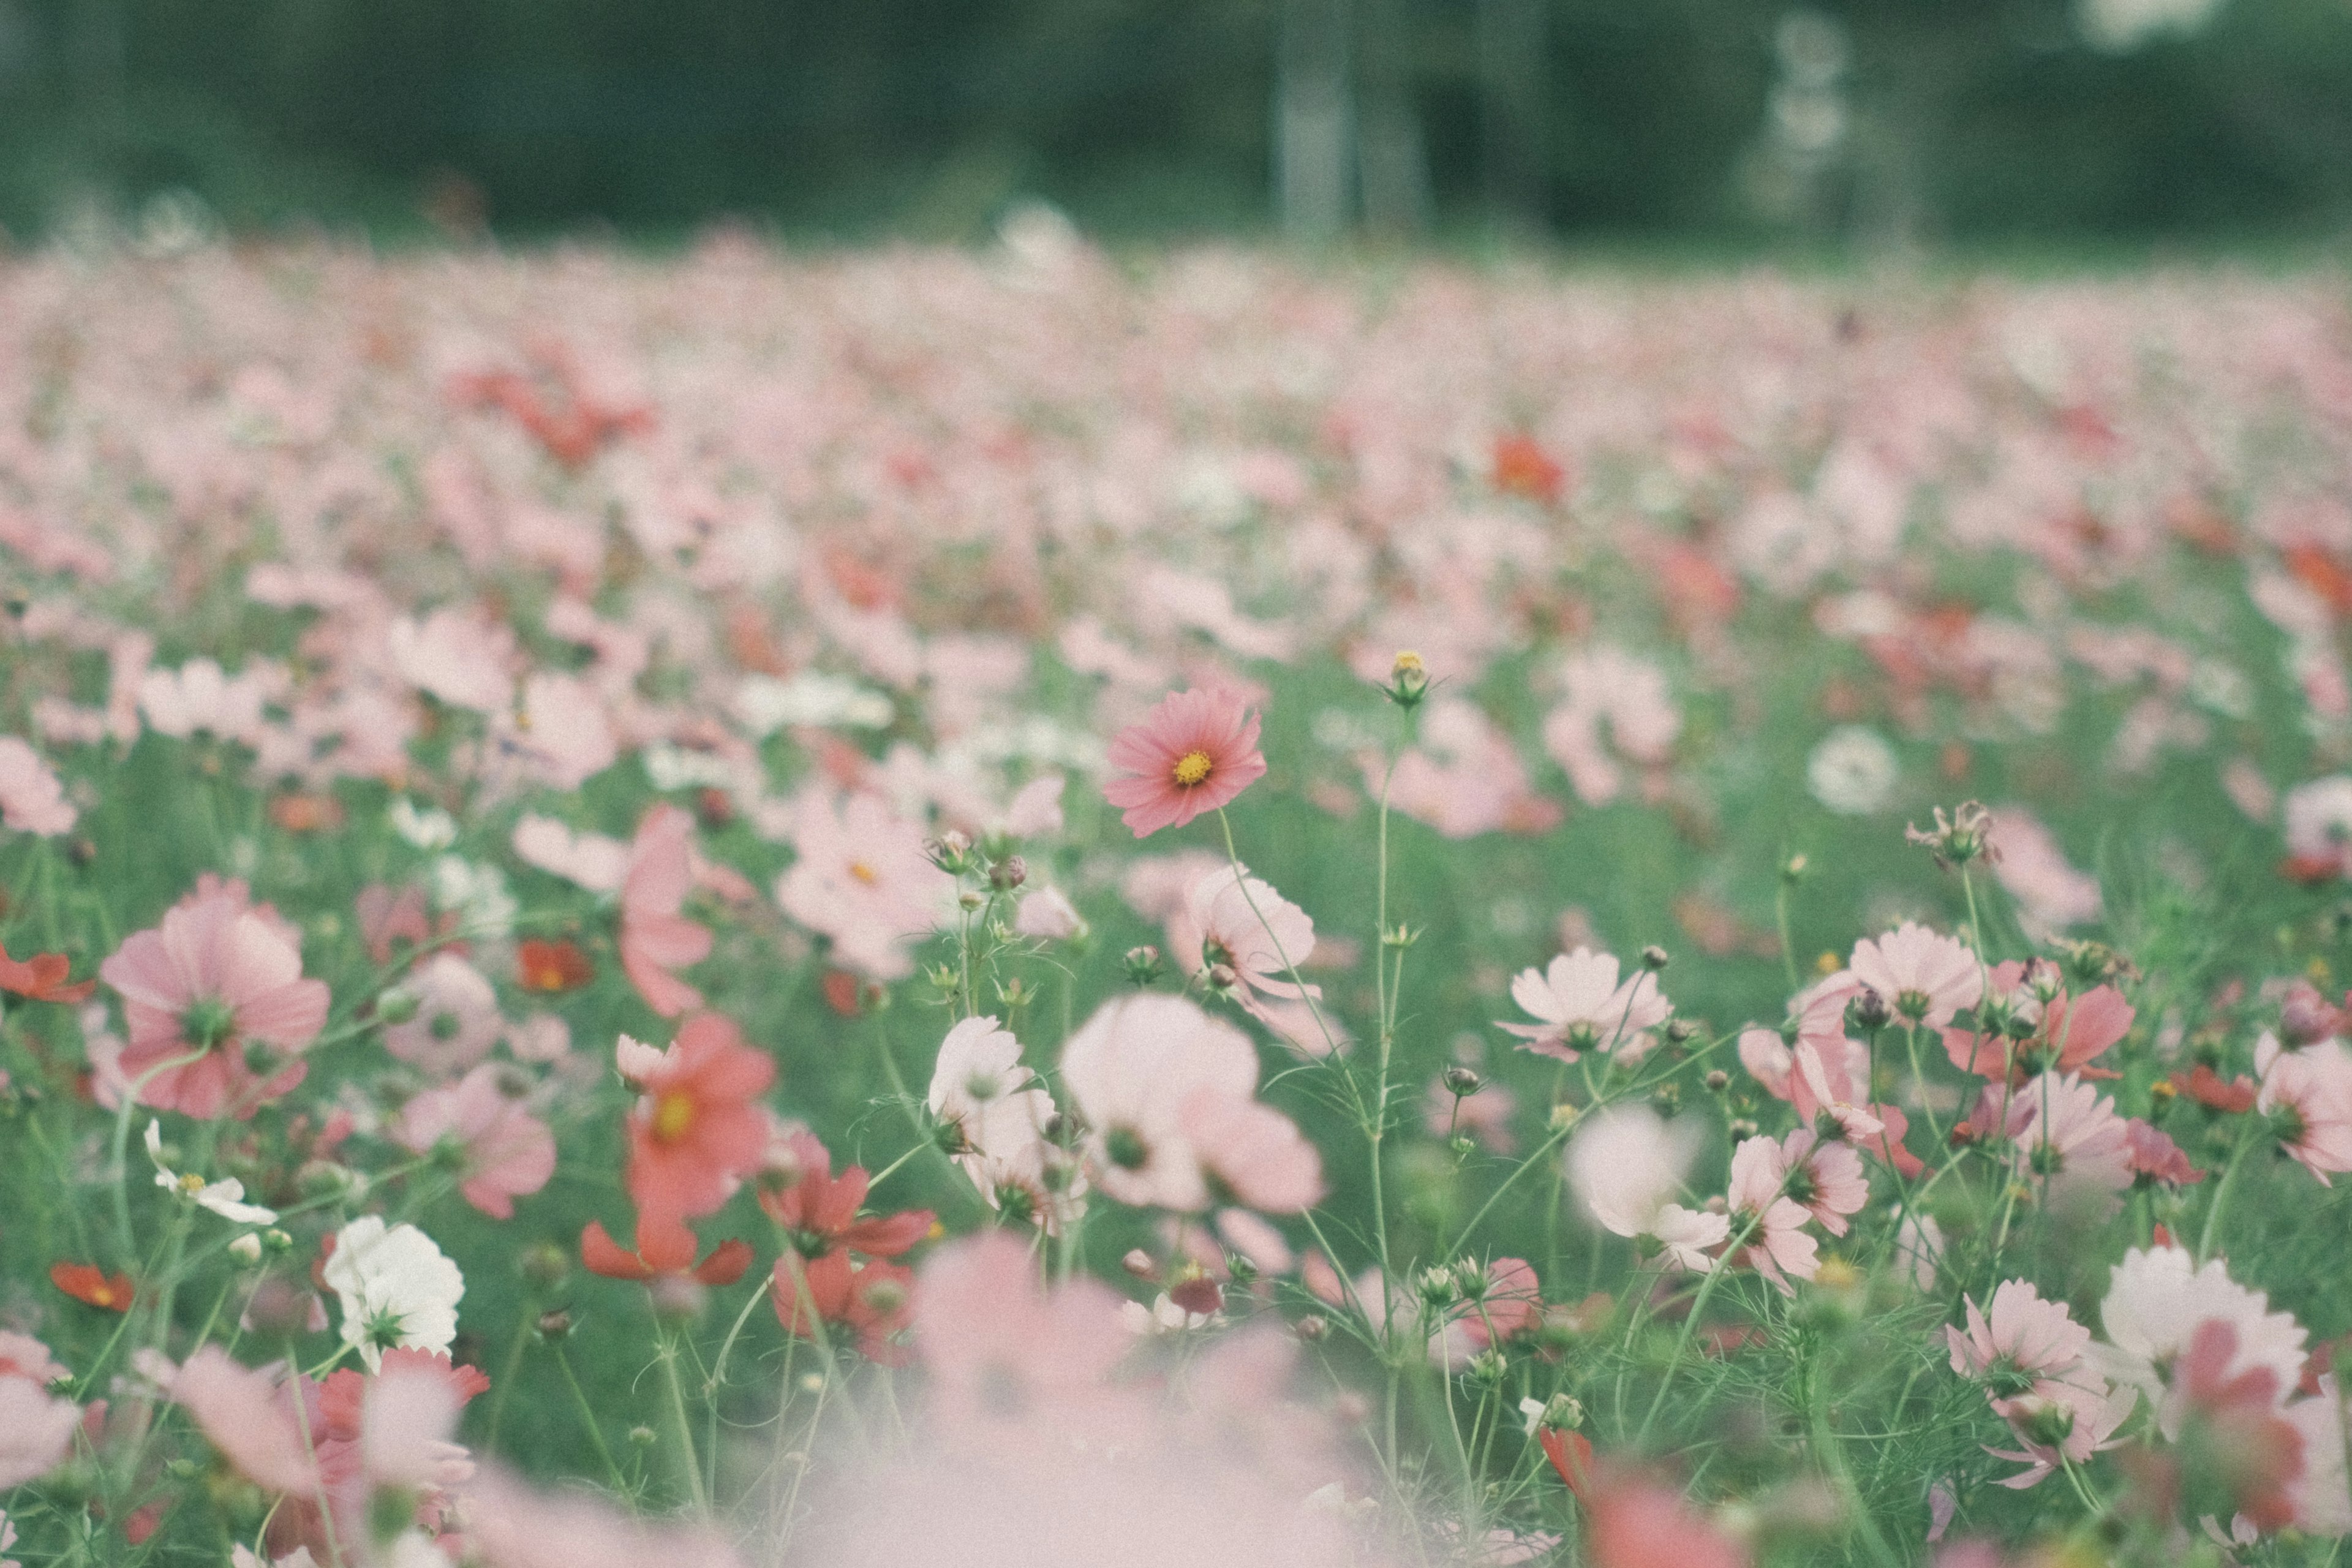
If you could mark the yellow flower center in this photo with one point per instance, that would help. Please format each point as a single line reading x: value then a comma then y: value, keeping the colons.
x: 192, y: 1185
x: 864, y: 873
x: 673, y: 1114
x: 1192, y: 768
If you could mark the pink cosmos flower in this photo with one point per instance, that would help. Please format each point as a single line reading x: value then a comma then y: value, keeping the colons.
x: 456, y: 1019
x: 1925, y: 976
x: 1776, y: 1244
x: 1625, y: 1165
x: 1825, y: 1178
x: 222, y: 981
x: 1146, y: 1072
x: 2089, y: 1430
x: 863, y: 881
x: 1046, y: 914
x: 2024, y: 1346
x: 1579, y: 1006
x: 590, y: 859
x: 1192, y: 753
x: 992, y: 1113
x: 1009, y: 1361
x: 1251, y: 1153
x: 31, y: 798
x: 462, y: 658
x: 35, y: 1428
x: 507, y: 1152
x: 1232, y: 919
x: 2068, y: 1136
x: 246, y: 1416
x: 655, y: 939
x: 509, y: 1526
x: 200, y: 696
x: 2157, y: 1158
x: 2307, y: 1095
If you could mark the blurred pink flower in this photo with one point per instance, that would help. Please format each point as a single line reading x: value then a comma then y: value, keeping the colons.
x: 863, y: 881
x: 655, y: 939
x: 1192, y: 753
x: 1775, y: 1244
x: 37, y: 1429
x: 1625, y: 1165
x: 2307, y: 1094
x: 246, y: 1416
x: 507, y: 1152
x: 31, y: 798
x: 1135, y: 1070
x: 456, y: 1019
x: 457, y: 656
x: 590, y: 859
x: 221, y: 980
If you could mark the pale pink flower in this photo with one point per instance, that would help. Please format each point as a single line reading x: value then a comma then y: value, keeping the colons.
x: 1009, y: 1361
x: 1463, y: 775
x: 994, y: 1113
x: 1192, y: 753
x: 1154, y: 885
x: 461, y: 658
x: 31, y: 798
x: 863, y: 881
x: 1046, y: 914
x: 1135, y: 1070
x: 2157, y: 1299
x: 505, y: 1152
x: 456, y: 1019
x: 246, y: 1416
x: 509, y: 1526
x: 2307, y: 1095
x: 1772, y: 1224
x: 1924, y: 976
x: 1625, y: 1165
x: 2026, y: 1345
x: 560, y: 732
x: 592, y: 860
x: 35, y: 1428
x: 2091, y: 1428
x: 1610, y: 697
x: 223, y: 981
x: 655, y: 939
x: 2051, y: 894
x: 1252, y: 1153
x: 2068, y: 1136
x: 200, y: 696
x: 1232, y: 918
x: 1035, y: 810
x: 1579, y: 1005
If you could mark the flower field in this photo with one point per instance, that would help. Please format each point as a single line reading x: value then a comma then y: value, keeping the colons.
x: 1030, y: 906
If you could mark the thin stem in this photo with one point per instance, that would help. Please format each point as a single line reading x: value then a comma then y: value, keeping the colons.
x: 588, y: 1418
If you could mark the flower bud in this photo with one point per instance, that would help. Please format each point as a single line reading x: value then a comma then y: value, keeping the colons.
x: 545, y: 1265
x: 1869, y: 1009
x: 1139, y: 1263
x: 1438, y: 1286
x: 246, y: 1248
x: 1408, y: 681
x: 1717, y: 1080
x: 1143, y: 965
x: 1463, y: 1082
x: 1654, y: 958
x: 1311, y: 1328
x: 555, y: 1325
x: 1487, y: 1366
x: 1008, y: 873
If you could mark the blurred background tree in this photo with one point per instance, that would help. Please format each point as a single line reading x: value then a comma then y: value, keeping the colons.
x: 1700, y: 122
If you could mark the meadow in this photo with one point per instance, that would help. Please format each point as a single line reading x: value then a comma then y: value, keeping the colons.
x: 1024, y: 905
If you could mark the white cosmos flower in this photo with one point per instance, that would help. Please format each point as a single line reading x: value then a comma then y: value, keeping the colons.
x: 395, y: 1288
x: 225, y: 1198
x: 1853, y: 771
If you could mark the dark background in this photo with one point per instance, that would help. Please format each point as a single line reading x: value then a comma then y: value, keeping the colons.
x: 1697, y: 123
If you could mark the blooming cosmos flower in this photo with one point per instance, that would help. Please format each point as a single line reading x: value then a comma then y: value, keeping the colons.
x: 246, y: 1415
x: 503, y: 1151
x: 225, y: 1198
x: 1163, y: 1087
x: 395, y: 1287
x: 42, y: 978
x: 1579, y: 1005
x: 1924, y: 976
x: 1771, y: 1222
x: 1007, y: 1359
x: 1192, y: 753
x: 992, y: 1115
x: 2069, y: 1140
x: 2307, y: 1095
x: 1625, y: 1165
x: 220, y: 982
x: 698, y: 1128
x: 2026, y: 1345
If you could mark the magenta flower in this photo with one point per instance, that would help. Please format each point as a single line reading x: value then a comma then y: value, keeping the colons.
x: 1191, y: 752
x: 222, y: 983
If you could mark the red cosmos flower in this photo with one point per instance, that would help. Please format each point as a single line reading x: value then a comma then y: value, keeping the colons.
x: 1193, y: 752
x: 2072, y: 1031
x: 2236, y: 1434
x: 698, y: 1128
x: 88, y: 1283
x: 1524, y: 468
x: 1571, y: 1454
x: 875, y: 1300
x: 551, y: 965
x: 41, y: 978
x: 2207, y: 1088
x: 819, y: 1211
x: 660, y: 1257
